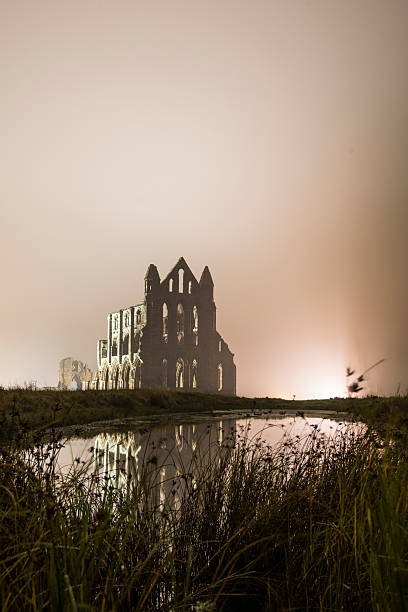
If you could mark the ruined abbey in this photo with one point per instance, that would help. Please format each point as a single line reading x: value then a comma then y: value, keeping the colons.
x: 73, y: 374
x: 169, y: 340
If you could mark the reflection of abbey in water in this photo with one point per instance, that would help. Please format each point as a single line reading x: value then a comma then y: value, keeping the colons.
x: 169, y: 340
x: 171, y: 457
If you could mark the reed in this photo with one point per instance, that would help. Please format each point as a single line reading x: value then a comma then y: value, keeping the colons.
x: 310, y: 525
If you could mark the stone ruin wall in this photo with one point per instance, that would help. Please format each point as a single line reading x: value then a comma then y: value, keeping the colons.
x: 72, y: 374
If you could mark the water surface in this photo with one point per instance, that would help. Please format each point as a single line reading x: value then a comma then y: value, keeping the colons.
x: 173, y: 452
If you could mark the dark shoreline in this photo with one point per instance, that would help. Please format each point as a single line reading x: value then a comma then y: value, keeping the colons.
x: 30, y: 411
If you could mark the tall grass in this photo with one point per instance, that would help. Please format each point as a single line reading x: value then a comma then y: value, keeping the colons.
x: 314, y: 525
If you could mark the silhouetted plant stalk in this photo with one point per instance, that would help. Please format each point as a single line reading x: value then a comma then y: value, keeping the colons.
x: 315, y: 524
x: 356, y: 386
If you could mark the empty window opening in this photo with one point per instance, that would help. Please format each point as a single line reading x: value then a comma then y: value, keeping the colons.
x: 219, y: 377
x: 138, y: 377
x: 116, y: 323
x: 181, y: 280
x: 75, y: 384
x: 165, y: 322
x: 171, y: 285
x: 127, y: 319
x: 164, y: 373
x: 137, y: 342
x: 220, y: 346
x: 126, y: 379
x: 107, y: 379
x: 194, y: 381
x: 190, y: 284
x: 125, y: 346
x: 138, y: 317
x: 103, y: 350
x: 114, y: 348
x: 195, y: 326
x: 179, y: 374
x: 116, y: 379
x: 180, y: 323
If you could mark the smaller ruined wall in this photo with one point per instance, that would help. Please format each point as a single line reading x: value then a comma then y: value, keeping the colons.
x: 72, y: 373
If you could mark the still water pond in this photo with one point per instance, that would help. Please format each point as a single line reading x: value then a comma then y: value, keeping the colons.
x: 173, y: 452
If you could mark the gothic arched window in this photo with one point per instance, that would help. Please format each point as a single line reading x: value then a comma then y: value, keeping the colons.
x: 195, y: 326
x: 179, y: 374
x: 126, y: 378
x: 181, y: 280
x: 116, y: 379
x: 138, y: 377
x: 171, y: 285
x: 165, y: 317
x: 194, y: 375
x: 180, y: 323
x: 164, y: 373
x: 219, y: 377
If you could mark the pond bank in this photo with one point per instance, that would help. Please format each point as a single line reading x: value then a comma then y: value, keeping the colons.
x: 22, y: 410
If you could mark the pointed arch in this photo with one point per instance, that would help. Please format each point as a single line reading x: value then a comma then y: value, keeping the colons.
x: 180, y: 323
x: 181, y: 280
x: 194, y: 374
x: 219, y: 377
x: 180, y: 373
x: 115, y: 378
x: 126, y: 375
x: 138, y: 376
x: 195, y: 325
x: 125, y: 345
x: 165, y: 321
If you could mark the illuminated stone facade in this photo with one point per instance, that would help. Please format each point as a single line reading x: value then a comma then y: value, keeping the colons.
x: 169, y: 340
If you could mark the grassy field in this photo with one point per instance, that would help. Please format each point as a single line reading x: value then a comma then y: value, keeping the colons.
x: 306, y: 526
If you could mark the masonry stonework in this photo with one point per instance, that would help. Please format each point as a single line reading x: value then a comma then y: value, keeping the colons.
x: 73, y: 374
x: 169, y: 340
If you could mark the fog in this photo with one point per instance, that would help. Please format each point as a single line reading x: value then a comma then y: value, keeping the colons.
x: 265, y: 139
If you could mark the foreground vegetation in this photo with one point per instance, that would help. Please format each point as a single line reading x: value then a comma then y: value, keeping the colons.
x: 306, y: 526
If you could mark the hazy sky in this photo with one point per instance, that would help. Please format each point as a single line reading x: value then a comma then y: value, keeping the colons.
x: 267, y: 139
